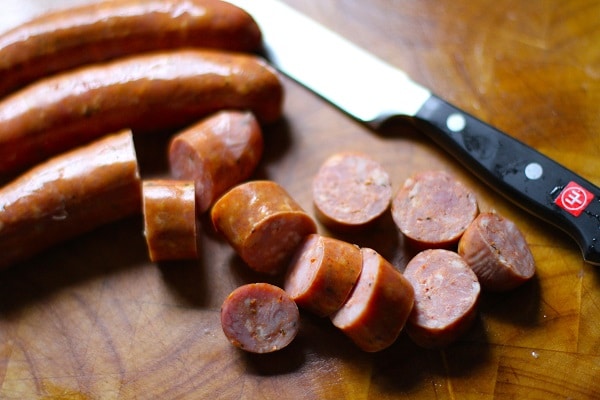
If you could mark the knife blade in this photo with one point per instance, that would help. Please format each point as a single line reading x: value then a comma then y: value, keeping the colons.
x: 371, y: 91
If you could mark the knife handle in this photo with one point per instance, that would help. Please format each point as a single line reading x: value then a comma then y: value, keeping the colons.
x: 533, y: 181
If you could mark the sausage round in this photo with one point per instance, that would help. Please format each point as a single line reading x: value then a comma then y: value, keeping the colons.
x: 432, y: 209
x: 150, y: 92
x: 217, y: 153
x: 350, y: 190
x: 262, y: 223
x: 322, y: 274
x: 68, y: 195
x: 67, y: 38
x: 169, y: 209
x: 378, y: 307
x: 446, y: 297
x: 497, y: 252
x: 260, y: 318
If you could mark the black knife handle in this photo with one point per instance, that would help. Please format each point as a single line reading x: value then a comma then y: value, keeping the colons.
x: 531, y: 180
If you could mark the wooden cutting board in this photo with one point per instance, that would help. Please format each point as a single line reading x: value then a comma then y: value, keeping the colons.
x: 95, y: 319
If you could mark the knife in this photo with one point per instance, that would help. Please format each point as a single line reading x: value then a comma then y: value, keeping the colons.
x: 371, y: 91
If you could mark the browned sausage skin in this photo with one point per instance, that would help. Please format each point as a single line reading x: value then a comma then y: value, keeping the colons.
x: 497, y: 251
x: 433, y: 209
x: 145, y: 93
x: 169, y: 209
x: 322, y: 273
x: 350, y: 191
x: 260, y: 318
x: 68, y: 195
x: 263, y: 224
x: 219, y: 152
x: 378, y: 307
x: 446, y: 297
x: 68, y: 38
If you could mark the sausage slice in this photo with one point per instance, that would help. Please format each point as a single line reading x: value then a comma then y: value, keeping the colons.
x: 169, y: 209
x: 351, y: 190
x: 497, y: 251
x: 432, y: 209
x: 260, y: 318
x: 378, y: 307
x: 263, y: 224
x: 217, y: 153
x: 322, y: 274
x: 446, y: 296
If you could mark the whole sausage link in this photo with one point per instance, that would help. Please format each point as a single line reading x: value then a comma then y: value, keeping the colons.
x: 68, y: 195
x: 63, y: 39
x: 150, y: 92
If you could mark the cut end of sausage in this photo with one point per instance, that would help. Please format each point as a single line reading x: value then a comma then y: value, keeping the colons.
x: 260, y: 318
x: 378, y: 307
x: 350, y: 191
x: 446, y: 296
x: 433, y: 209
x: 322, y: 274
x: 498, y: 253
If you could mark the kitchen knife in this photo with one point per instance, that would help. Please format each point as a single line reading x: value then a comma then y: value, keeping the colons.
x: 371, y: 90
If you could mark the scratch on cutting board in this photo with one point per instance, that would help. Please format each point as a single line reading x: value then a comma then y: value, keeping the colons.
x: 447, y: 373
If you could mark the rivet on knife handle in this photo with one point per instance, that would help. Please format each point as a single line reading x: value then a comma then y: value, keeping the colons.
x: 533, y: 181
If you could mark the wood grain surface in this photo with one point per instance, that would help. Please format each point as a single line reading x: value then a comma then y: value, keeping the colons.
x: 95, y: 319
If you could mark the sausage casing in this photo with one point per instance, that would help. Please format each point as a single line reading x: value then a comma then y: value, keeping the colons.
x: 68, y: 38
x: 67, y: 195
x: 150, y: 92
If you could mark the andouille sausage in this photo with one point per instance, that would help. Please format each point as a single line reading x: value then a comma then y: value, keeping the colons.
x: 169, y: 209
x: 446, y: 297
x: 497, y: 252
x: 67, y: 38
x: 145, y: 93
x: 378, y: 307
x: 350, y: 190
x: 433, y: 209
x: 262, y: 223
x: 68, y: 195
x: 217, y: 153
x: 322, y: 274
x: 260, y: 318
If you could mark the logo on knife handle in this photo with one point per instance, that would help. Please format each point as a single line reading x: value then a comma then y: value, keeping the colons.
x: 574, y: 199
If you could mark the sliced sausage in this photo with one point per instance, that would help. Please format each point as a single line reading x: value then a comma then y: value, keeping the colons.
x: 217, y: 153
x: 67, y: 38
x: 446, y: 297
x: 151, y: 92
x: 351, y: 190
x: 322, y: 274
x: 68, y: 195
x: 260, y: 318
x: 497, y: 251
x: 262, y: 223
x: 169, y: 209
x: 433, y: 209
x: 378, y: 307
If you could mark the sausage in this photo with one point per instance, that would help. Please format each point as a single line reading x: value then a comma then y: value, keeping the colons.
x: 497, y: 252
x: 433, y: 209
x: 260, y: 318
x: 67, y: 38
x: 169, y: 209
x: 322, y: 274
x: 350, y: 190
x: 378, y: 307
x: 151, y: 92
x: 262, y: 223
x: 218, y: 153
x: 446, y: 297
x: 68, y: 195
